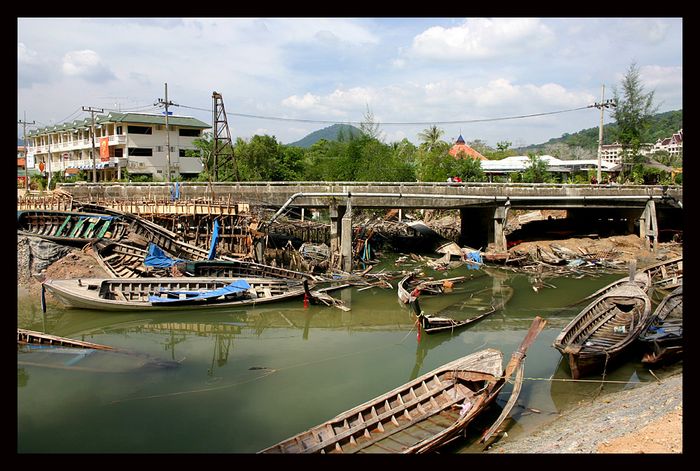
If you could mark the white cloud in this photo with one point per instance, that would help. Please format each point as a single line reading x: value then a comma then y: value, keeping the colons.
x: 31, y: 68
x: 305, y: 102
x: 658, y: 76
x: 482, y: 39
x: 86, y: 64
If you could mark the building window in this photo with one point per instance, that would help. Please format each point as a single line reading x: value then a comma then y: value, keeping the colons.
x: 119, y: 152
x: 141, y: 151
x: 189, y: 132
x: 139, y: 129
x: 119, y: 130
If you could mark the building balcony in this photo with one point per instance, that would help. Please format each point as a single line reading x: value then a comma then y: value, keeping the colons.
x: 77, y: 144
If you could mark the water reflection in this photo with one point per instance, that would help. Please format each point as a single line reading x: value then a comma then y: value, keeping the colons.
x: 279, y: 369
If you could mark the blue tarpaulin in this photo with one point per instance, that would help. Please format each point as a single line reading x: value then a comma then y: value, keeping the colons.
x: 175, y: 191
x: 157, y: 258
x: 238, y: 287
x: 214, y: 240
x: 474, y: 256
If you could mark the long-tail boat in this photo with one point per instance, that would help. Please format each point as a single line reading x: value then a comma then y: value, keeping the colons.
x: 663, y: 337
x: 422, y: 415
x: 431, y: 323
x: 604, y: 329
x: 177, y: 293
x: 74, y: 228
x: 127, y: 261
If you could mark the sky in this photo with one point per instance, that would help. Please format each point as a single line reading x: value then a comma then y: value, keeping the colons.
x: 408, y: 73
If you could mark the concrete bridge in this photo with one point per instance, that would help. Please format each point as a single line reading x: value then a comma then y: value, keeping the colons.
x: 483, y: 206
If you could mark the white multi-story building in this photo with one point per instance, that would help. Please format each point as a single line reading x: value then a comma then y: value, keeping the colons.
x: 673, y: 145
x: 612, y: 153
x: 135, y: 141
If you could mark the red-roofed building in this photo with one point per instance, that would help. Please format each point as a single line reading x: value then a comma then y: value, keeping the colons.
x: 461, y: 146
x: 673, y: 145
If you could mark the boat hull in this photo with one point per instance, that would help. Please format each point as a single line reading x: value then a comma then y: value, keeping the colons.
x: 406, y: 417
x: 90, y: 293
x: 604, y: 329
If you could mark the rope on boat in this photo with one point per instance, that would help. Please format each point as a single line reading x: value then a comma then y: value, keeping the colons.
x: 569, y: 380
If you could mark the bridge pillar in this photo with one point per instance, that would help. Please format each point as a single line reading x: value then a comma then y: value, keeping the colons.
x: 335, y: 224
x: 498, y: 237
x: 346, y: 239
x: 484, y: 227
x: 648, y: 228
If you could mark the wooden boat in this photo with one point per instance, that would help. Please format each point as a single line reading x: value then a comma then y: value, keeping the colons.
x: 142, y: 231
x: 32, y: 337
x: 39, y: 349
x: 408, y: 285
x: 156, y: 294
x: 641, y: 279
x: 663, y: 337
x: 431, y: 323
x: 667, y: 274
x: 421, y: 415
x: 127, y: 261
x: 67, y: 227
x: 604, y: 329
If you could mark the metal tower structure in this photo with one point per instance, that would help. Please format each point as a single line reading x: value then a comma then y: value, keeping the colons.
x: 225, y: 167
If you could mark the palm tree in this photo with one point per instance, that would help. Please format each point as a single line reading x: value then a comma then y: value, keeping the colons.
x: 431, y: 136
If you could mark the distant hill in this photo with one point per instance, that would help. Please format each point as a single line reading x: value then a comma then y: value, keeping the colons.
x: 330, y: 134
x: 662, y: 125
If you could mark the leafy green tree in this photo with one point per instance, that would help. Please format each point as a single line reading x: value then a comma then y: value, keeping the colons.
x: 430, y: 137
x: 263, y: 159
x: 536, y: 172
x: 291, y: 164
x: 369, y: 127
x: 434, y: 165
x: 503, y: 146
x: 633, y: 115
x: 205, y: 153
x: 468, y: 169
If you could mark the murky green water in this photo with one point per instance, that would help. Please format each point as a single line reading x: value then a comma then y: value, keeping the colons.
x: 238, y: 381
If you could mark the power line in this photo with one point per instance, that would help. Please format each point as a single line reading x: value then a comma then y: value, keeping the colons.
x: 414, y: 123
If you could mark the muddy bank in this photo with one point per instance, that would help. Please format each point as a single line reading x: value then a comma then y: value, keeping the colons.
x: 645, y: 419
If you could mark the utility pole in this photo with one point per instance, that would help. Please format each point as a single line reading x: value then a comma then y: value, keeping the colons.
x: 92, y: 114
x: 167, y: 127
x: 603, y: 104
x: 24, y: 140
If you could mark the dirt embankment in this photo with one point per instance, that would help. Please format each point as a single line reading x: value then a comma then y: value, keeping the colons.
x: 646, y: 419
x: 34, y: 262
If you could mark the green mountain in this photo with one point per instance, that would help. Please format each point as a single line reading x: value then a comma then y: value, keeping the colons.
x: 662, y: 125
x: 330, y: 134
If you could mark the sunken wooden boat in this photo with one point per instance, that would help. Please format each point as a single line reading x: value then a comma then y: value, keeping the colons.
x: 74, y: 228
x: 604, y: 330
x: 422, y: 415
x: 662, y: 340
x: 409, y: 286
x: 163, y: 294
x: 32, y: 337
x: 432, y: 323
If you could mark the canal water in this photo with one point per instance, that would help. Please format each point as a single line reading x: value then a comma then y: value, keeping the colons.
x: 240, y: 380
